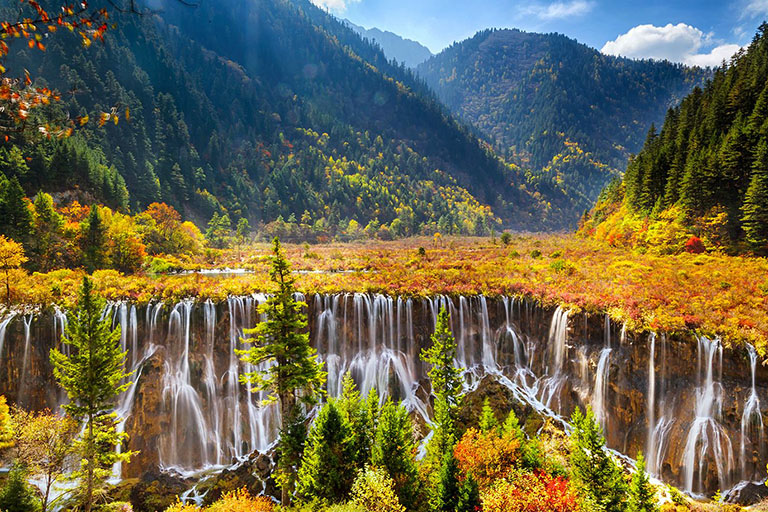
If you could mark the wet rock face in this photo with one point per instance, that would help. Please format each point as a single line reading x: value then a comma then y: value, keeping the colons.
x: 747, y: 493
x: 188, y: 410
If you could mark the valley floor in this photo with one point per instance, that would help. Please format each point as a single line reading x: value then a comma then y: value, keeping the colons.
x: 713, y: 293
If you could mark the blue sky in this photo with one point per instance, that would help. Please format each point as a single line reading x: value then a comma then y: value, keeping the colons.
x: 702, y: 32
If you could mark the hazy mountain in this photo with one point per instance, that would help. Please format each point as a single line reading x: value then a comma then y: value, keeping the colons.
x: 407, y: 51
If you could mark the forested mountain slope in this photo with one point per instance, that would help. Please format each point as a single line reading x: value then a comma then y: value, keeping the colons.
x: 264, y: 109
x: 705, y: 173
x: 565, y: 112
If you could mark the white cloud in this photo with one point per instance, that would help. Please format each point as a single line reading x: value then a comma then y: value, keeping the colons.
x: 756, y: 8
x: 559, y: 10
x: 334, y: 5
x: 715, y: 57
x: 676, y: 43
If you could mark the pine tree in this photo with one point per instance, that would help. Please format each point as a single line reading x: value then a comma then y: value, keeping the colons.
x: 218, y: 233
x: 15, y: 217
x: 93, y: 375
x: 296, y: 377
x: 395, y: 452
x: 597, y: 474
x: 327, y: 468
x: 17, y: 495
x: 755, y: 207
x: 94, y: 240
x: 447, y: 385
x: 488, y: 421
x: 447, y: 493
x: 362, y: 416
x: 642, y: 497
x: 469, y: 495
x: 48, y: 224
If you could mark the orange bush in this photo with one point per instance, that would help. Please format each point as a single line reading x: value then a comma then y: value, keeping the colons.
x: 529, y: 492
x: 488, y: 456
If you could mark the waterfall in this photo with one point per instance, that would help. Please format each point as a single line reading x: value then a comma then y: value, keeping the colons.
x: 186, y: 383
x: 601, y: 387
x: 557, y: 344
x: 24, y: 376
x: 126, y: 401
x: 706, y: 437
x: 751, y: 422
x: 210, y: 380
x: 4, y: 321
x: 188, y: 430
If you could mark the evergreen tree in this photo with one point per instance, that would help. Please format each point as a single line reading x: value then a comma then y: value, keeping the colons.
x: 327, y: 468
x: 447, y: 384
x: 218, y: 233
x: 488, y: 421
x: 93, y: 375
x: 755, y: 208
x: 469, y: 495
x: 296, y: 377
x: 94, y: 240
x: 17, y: 495
x: 642, y: 497
x: 594, y: 470
x: 48, y: 224
x: 15, y: 217
x: 447, y: 494
x: 362, y: 416
x: 444, y: 376
x: 395, y: 452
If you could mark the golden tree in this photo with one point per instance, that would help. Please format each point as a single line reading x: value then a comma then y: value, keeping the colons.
x: 11, y: 257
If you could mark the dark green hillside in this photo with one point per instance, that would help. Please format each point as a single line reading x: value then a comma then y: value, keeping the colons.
x: 562, y: 110
x: 267, y: 109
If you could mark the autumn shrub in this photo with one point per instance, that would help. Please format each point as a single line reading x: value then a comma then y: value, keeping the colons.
x: 374, y: 491
x: 488, y: 456
x: 531, y: 492
x: 117, y: 506
x: 234, y: 501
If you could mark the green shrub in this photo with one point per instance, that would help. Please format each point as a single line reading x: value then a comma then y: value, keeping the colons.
x: 506, y: 238
x: 535, y: 254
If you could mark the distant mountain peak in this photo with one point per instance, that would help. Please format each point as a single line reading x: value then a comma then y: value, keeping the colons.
x: 410, y: 52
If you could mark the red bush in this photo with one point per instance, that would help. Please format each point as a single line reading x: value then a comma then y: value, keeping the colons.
x: 694, y: 245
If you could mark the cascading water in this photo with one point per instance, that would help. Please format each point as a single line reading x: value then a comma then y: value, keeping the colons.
x: 557, y: 343
x: 25, y: 377
x: 601, y: 386
x: 186, y: 381
x: 706, y: 437
x: 752, y: 433
x: 601, y: 376
x: 4, y: 321
x: 187, y: 435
